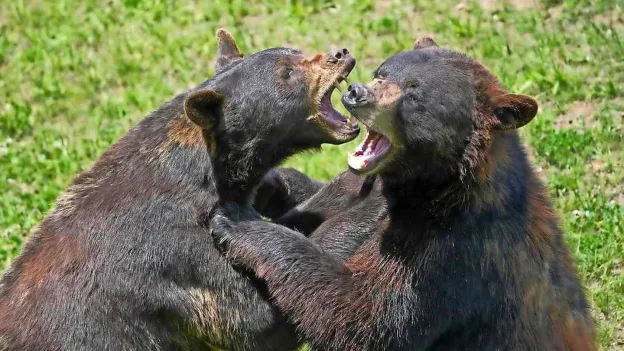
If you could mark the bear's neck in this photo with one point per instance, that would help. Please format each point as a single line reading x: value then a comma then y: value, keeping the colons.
x: 501, y: 180
x: 239, y: 172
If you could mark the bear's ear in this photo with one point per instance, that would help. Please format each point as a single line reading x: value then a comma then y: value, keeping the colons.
x: 513, y: 110
x: 227, y: 52
x: 204, y: 108
x: 424, y: 42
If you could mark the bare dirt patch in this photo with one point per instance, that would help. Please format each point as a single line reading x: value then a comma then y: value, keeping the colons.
x: 580, y: 116
x: 382, y: 7
x: 612, y: 19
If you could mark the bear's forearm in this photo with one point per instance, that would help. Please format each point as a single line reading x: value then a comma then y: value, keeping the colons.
x: 283, y: 189
x: 312, y: 287
x: 333, y: 198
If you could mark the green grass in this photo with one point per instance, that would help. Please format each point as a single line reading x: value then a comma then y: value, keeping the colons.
x: 74, y: 76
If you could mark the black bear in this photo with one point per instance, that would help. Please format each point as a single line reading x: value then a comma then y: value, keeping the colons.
x: 469, y: 255
x: 125, y: 261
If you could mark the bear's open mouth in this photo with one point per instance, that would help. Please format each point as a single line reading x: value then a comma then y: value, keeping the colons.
x: 334, y: 119
x: 370, y: 152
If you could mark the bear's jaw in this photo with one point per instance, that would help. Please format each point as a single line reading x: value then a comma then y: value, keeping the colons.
x: 368, y: 156
x: 331, y: 116
x: 339, y: 127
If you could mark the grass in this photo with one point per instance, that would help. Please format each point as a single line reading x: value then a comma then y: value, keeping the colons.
x: 76, y: 75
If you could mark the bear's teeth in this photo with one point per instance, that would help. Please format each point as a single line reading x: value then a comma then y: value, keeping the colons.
x: 350, y: 121
x: 337, y: 86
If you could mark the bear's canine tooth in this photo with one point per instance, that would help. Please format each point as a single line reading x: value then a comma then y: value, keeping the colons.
x: 337, y: 86
x: 350, y: 121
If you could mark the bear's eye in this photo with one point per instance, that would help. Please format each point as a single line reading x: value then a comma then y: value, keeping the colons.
x: 413, y: 84
x: 411, y: 88
x: 411, y: 92
x: 380, y: 74
x: 288, y: 73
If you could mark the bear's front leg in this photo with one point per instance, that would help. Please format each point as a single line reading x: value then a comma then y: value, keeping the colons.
x: 243, y: 236
x: 341, y: 194
x: 316, y: 290
x: 282, y: 189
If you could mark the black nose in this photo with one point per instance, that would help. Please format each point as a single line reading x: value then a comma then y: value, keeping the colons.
x: 337, y: 55
x: 341, y: 53
x: 355, y: 95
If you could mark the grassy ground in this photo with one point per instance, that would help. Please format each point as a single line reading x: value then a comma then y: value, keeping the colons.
x: 75, y: 75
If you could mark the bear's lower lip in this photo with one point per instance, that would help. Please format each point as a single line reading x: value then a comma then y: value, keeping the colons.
x: 368, y: 154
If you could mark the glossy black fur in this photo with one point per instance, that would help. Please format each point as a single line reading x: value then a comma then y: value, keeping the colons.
x: 466, y: 253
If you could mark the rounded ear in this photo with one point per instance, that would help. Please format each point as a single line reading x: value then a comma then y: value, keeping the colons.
x: 227, y: 52
x: 513, y: 110
x: 424, y: 42
x: 204, y: 108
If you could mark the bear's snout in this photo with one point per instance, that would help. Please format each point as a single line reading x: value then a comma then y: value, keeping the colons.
x: 356, y: 95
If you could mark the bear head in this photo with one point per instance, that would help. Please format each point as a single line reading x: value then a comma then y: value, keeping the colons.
x: 260, y: 109
x: 432, y: 114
